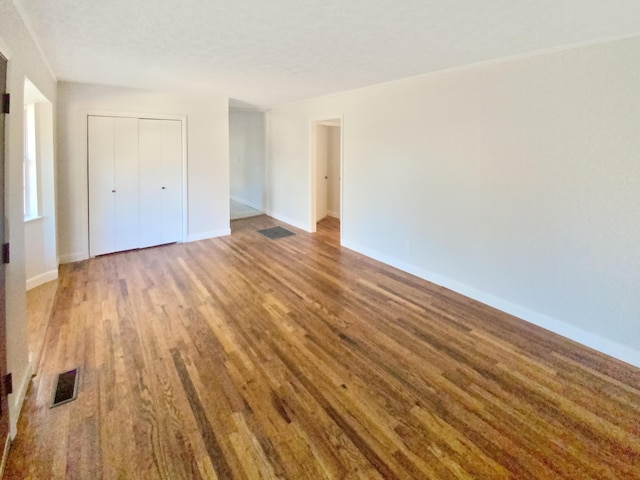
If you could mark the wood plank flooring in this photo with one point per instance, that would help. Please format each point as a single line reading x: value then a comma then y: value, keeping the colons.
x: 39, y: 305
x: 244, y: 358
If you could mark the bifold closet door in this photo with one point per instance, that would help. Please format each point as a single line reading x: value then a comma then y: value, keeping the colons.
x: 126, y: 183
x: 102, y: 207
x: 160, y: 161
x: 113, y: 184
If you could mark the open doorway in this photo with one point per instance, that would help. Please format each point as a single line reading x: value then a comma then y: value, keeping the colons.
x: 326, y: 170
x: 247, y: 161
x: 41, y: 261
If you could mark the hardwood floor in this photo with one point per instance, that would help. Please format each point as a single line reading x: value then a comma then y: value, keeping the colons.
x: 243, y: 357
x: 39, y: 305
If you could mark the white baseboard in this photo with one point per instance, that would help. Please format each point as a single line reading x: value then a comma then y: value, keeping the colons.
x: 248, y: 203
x: 73, y: 257
x: 588, y: 339
x: 213, y: 234
x: 16, y: 400
x: 290, y: 221
x: 333, y: 214
x: 41, y: 279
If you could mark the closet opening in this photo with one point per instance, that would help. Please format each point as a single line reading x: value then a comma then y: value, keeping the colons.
x: 136, y: 175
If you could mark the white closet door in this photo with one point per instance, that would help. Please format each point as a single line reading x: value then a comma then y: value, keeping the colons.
x: 160, y: 157
x: 135, y: 183
x: 151, y: 179
x: 126, y: 183
x: 172, y: 182
x: 101, y: 185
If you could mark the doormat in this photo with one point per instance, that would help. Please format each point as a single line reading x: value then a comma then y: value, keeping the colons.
x: 66, y: 388
x: 276, y: 232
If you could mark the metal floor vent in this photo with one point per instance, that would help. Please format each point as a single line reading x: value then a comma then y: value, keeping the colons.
x: 276, y: 232
x: 66, y: 388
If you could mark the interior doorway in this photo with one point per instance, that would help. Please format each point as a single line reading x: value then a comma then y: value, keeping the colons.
x: 247, y: 162
x: 41, y: 252
x: 326, y: 170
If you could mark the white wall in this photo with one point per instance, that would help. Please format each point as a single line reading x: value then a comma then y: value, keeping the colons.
x: 24, y: 60
x: 514, y: 182
x: 247, y: 152
x: 41, y: 254
x: 207, y: 162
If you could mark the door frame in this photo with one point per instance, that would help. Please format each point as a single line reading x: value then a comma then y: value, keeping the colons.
x: 150, y: 116
x: 5, y: 435
x: 329, y: 120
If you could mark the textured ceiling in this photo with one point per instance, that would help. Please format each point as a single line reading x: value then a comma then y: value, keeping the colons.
x: 266, y: 52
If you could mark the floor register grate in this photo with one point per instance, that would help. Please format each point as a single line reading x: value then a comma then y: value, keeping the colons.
x: 66, y: 388
x: 275, y: 232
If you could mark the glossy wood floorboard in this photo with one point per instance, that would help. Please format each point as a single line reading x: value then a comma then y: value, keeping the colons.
x: 39, y: 305
x: 243, y: 358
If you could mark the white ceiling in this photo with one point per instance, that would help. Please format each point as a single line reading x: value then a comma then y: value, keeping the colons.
x: 266, y: 52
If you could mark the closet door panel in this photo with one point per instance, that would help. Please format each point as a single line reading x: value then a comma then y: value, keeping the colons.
x: 151, y: 179
x: 101, y: 185
x: 172, y: 183
x: 126, y: 183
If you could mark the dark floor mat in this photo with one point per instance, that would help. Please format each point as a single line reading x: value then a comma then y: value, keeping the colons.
x: 66, y: 387
x: 276, y: 232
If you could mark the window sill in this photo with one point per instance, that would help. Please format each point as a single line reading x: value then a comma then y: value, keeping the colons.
x: 33, y: 219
